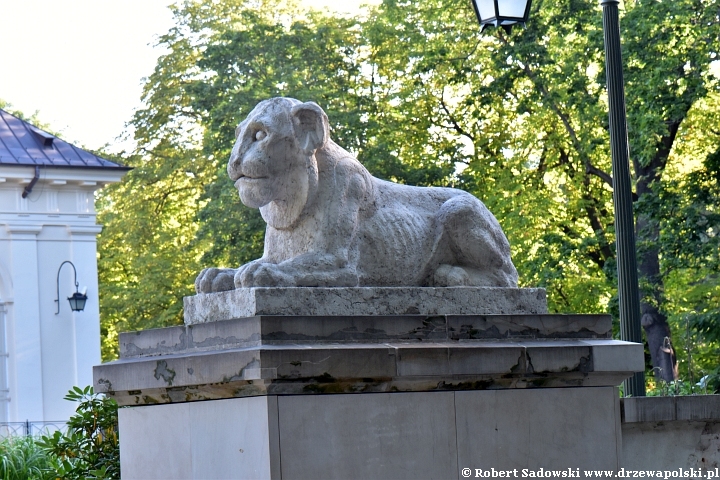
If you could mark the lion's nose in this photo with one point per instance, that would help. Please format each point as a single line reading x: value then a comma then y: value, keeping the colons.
x: 234, y: 167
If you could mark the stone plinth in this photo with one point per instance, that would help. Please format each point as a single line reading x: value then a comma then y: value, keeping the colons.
x: 269, y: 355
x: 415, y: 435
x: 354, y: 395
x: 248, y: 302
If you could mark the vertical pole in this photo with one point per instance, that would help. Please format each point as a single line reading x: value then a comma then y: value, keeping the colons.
x: 628, y: 290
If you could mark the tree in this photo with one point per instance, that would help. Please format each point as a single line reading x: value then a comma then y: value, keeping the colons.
x: 689, y: 230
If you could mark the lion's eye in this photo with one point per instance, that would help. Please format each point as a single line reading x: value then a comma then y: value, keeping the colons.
x: 260, y: 135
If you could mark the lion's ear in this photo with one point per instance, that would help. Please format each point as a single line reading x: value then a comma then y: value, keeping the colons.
x: 311, y: 126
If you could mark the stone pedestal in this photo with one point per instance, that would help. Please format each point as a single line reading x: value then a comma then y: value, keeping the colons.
x: 307, y: 301
x: 359, y: 396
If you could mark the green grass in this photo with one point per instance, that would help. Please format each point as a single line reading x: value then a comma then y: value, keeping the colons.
x: 22, y: 459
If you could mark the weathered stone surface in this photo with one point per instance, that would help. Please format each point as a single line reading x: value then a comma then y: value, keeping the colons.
x: 331, y: 224
x: 415, y: 435
x: 248, y: 302
x: 671, y: 445
x: 475, y: 327
x: 671, y: 408
x: 150, y: 454
x: 379, y: 436
x: 557, y: 429
x: 367, y: 367
x: 222, y: 439
x: 278, y: 330
x: 667, y: 433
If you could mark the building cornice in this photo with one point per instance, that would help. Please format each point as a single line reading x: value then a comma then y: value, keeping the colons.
x: 85, y: 177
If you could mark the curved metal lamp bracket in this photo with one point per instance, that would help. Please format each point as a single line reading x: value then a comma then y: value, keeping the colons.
x: 77, y: 285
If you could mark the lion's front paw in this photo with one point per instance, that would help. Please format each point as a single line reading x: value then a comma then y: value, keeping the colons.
x: 263, y: 275
x: 213, y: 280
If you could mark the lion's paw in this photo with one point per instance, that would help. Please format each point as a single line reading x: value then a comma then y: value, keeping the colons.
x: 263, y: 275
x: 213, y: 280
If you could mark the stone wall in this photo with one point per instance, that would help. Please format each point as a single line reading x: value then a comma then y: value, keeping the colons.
x: 666, y: 433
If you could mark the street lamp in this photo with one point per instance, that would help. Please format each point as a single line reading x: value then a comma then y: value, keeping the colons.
x: 628, y: 290
x: 501, y: 13
x: 77, y: 301
x: 505, y: 13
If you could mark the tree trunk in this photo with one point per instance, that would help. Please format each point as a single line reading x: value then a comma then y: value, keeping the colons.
x: 654, y: 322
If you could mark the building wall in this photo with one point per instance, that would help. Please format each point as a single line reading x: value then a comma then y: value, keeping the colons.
x: 48, y: 353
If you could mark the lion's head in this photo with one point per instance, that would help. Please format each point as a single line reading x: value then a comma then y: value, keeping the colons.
x: 273, y: 160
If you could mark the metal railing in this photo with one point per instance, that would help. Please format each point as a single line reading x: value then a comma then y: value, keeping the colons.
x: 30, y: 429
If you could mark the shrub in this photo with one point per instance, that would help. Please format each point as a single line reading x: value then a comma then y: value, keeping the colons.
x: 90, y: 449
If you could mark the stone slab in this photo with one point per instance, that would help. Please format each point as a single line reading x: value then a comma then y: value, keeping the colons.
x: 394, y: 436
x: 201, y: 440
x: 151, y: 454
x: 367, y: 367
x: 278, y: 330
x: 672, y: 445
x: 248, y: 302
x: 548, y: 428
x: 672, y: 408
x: 424, y: 435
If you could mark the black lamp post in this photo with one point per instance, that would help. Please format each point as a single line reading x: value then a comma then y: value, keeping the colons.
x: 628, y: 289
x: 77, y: 301
x: 505, y: 13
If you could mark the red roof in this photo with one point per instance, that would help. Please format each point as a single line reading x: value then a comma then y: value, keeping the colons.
x: 22, y: 143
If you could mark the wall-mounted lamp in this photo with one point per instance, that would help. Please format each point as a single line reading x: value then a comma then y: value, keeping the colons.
x: 77, y: 301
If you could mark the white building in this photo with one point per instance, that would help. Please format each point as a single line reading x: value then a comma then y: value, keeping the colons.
x: 47, y: 217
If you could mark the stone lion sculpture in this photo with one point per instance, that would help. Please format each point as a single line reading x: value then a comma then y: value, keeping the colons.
x: 331, y: 224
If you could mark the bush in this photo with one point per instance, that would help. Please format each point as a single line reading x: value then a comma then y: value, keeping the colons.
x: 90, y: 449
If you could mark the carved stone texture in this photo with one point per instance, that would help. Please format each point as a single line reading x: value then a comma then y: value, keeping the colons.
x: 312, y: 301
x: 331, y: 224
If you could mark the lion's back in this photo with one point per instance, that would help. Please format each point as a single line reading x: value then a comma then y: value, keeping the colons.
x: 398, y: 240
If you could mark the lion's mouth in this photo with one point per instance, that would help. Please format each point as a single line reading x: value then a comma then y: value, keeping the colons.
x: 246, y: 178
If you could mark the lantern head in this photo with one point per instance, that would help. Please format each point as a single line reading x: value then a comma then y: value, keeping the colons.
x: 501, y: 13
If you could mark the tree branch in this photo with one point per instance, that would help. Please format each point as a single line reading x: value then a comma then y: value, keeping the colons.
x: 589, y: 168
x: 455, y: 125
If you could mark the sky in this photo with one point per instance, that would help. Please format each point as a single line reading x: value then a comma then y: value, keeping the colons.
x: 80, y: 63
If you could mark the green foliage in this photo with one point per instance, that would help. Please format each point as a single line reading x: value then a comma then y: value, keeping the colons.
x: 147, y: 261
x: 689, y: 214
x: 21, y: 458
x: 91, y: 447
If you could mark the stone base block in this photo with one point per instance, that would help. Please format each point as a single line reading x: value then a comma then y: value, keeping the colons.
x: 416, y: 435
x: 272, y: 355
x: 668, y: 433
x: 248, y: 302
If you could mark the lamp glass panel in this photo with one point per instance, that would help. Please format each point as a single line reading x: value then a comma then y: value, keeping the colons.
x: 512, y: 8
x: 486, y: 8
x: 73, y: 304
